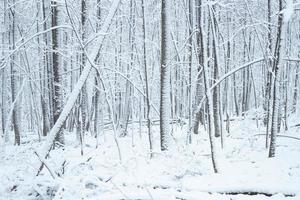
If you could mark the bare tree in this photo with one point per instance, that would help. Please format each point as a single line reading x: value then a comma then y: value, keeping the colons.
x: 14, y: 73
x: 165, y: 75
x: 216, y: 92
x: 83, y: 77
x: 56, y: 68
x: 199, y: 116
x: 277, y: 65
x: 146, y: 79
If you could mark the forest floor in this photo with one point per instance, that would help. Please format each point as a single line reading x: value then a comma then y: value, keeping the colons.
x: 185, y: 172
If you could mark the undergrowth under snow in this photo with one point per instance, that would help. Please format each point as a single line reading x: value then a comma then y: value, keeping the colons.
x: 185, y: 172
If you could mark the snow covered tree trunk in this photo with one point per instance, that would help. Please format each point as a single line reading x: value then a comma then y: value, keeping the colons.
x: 83, y: 99
x: 81, y: 111
x: 235, y: 96
x: 56, y: 67
x: 128, y: 86
x: 165, y: 75
x: 91, y: 58
x: 216, y: 93
x: 277, y: 65
x: 268, y: 87
x: 98, y: 107
x: 190, y: 60
x: 96, y: 111
x: 14, y: 80
x: 146, y: 79
x: 295, y: 91
x: 2, y: 118
x: 227, y: 82
x: 286, y: 96
x: 3, y: 85
x: 210, y: 119
x: 43, y: 75
x: 198, y: 116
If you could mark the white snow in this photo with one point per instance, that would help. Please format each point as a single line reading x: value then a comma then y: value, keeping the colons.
x: 289, y: 10
x: 183, y: 173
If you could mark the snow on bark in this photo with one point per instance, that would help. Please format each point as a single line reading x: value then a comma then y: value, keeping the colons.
x: 216, y: 92
x: 211, y: 127
x: 165, y: 75
x: 198, y: 116
x: 278, y: 64
x: 228, y: 74
x: 77, y: 88
x: 57, y: 91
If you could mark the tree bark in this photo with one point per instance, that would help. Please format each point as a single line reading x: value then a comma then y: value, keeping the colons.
x: 165, y: 76
x: 277, y: 65
x: 14, y: 80
x: 150, y: 137
x: 57, y: 90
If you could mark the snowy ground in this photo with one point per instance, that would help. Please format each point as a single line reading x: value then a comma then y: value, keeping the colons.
x: 183, y: 173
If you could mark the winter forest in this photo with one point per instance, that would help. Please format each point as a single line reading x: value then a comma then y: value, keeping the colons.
x: 149, y: 99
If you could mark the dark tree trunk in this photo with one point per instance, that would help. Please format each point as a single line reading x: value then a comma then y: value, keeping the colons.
x: 276, y: 71
x: 56, y: 92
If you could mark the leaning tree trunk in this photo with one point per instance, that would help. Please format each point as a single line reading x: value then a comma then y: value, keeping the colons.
x: 91, y: 58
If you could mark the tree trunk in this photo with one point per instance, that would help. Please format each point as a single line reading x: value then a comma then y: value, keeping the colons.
x: 146, y: 80
x: 216, y: 93
x: 165, y: 75
x: 77, y: 88
x: 277, y: 65
x: 14, y: 81
x: 57, y: 90
x: 199, y: 116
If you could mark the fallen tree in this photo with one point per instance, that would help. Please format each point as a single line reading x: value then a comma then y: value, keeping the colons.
x: 252, y: 193
x: 246, y: 193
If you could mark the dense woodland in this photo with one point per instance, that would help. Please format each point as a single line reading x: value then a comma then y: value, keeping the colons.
x: 84, y: 67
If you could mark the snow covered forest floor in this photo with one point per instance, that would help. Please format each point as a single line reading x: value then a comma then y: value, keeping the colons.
x: 111, y: 67
x: 185, y: 172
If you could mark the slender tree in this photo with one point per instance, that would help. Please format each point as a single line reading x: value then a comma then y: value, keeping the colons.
x: 165, y: 76
x: 277, y: 65
x: 56, y: 68
x: 146, y: 79
x: 199, y: 116
x: 14, y: 73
